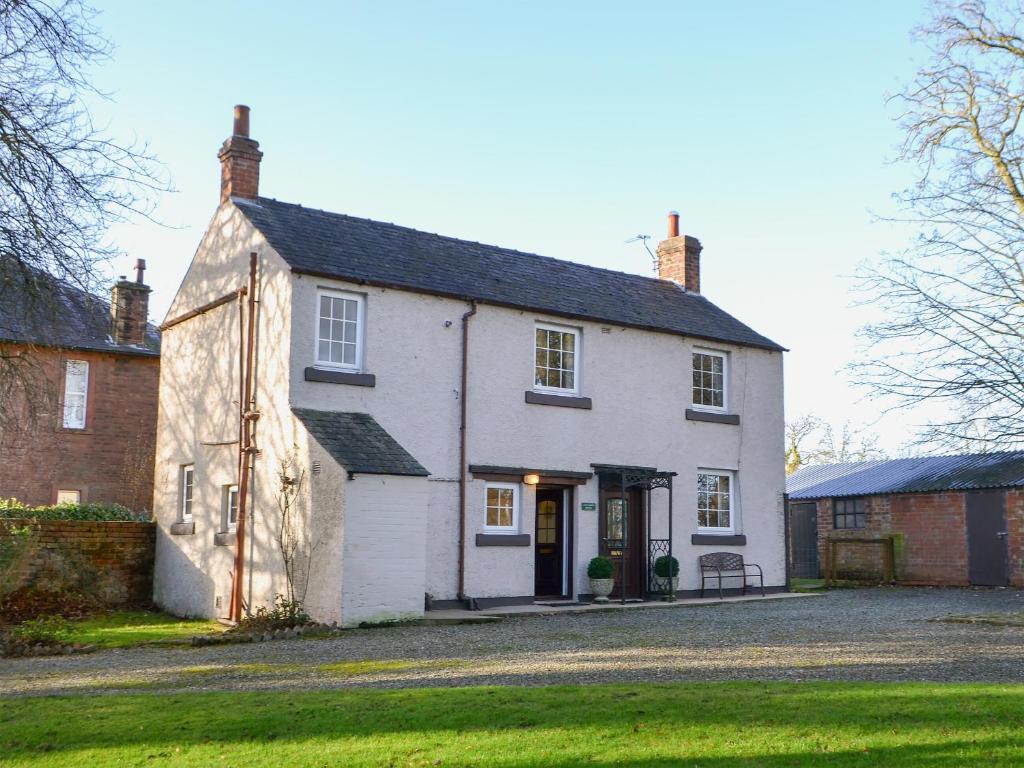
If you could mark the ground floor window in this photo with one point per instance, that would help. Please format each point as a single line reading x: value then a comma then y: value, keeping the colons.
x: 848, y: 513
x: 187, y: 480
x: 230, y: 507
x: 502, y: 512
x: 715, y: 501
x: 69, y: 497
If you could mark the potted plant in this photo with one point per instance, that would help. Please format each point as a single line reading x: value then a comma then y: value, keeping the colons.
x: 600, y: 571
x: 666, y: 572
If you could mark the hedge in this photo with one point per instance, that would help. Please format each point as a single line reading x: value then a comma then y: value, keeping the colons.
x: 12, y: 509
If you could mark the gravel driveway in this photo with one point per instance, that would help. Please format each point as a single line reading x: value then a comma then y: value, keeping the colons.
x: 857, y: 634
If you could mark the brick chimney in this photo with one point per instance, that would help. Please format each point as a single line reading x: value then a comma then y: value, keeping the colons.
x: 240, y: 160
x: 679, y: 257
x: 129, y: 308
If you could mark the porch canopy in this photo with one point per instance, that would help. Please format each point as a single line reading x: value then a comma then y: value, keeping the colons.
x: 646, y: 479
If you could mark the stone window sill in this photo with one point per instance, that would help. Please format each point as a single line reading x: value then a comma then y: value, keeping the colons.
x: 503, y: 539
x: 565, y: 401
x: 183, y: 529
x: 693, y: 414
x: 224, y: 539
x: 733, y: 539
x: 340, y: 377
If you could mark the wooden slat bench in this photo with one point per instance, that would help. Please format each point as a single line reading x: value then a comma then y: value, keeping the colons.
x: 727, y: 565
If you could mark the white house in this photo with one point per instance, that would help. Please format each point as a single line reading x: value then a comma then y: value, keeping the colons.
x: 456, y: 423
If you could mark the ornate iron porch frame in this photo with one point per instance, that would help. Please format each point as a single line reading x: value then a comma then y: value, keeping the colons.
x: 646, y: 479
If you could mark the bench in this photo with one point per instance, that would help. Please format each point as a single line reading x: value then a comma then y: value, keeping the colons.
x: 727, y: 565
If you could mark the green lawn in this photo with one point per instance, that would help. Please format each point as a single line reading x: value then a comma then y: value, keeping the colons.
x: 124, y: 629
x: 706, y: 725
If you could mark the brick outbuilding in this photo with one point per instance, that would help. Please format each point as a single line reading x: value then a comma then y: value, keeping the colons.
x: 951, y: 520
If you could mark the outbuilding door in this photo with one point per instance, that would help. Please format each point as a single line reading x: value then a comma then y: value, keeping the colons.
x: 803, y: 531
x: 987, y: 554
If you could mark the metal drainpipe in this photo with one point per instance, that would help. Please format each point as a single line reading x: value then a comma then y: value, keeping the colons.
x: 462, y: 453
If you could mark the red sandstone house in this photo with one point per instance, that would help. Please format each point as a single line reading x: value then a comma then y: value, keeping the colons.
x: 954, y: 520
x: 84, y: 430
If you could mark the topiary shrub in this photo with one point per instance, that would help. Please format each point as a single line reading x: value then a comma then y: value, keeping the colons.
x: 664, y: 564
x: 600, y: 568
x: 12, y: 509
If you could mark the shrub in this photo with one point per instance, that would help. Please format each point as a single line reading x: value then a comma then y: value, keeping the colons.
x: 18, y: 545
x: 663, y: 564
x: 284, y: 615
x: 12, y: 509
x: 47, y: 630
x: 600, y: 568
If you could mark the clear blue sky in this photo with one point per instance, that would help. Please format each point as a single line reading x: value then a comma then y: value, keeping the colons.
x: 562, y: 128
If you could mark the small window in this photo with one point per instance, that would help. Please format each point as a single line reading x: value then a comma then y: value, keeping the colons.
x: 709, y: 370
x: 616, y: 524
x: 69, y: 497
x: 76, y: 393
x: 230, y: 507
x: 556, y: 359
x: 188, y: 474
x: 715, y: 501
x: 547, y: 522
x: 502, y: 514
x: 339, y: 330
x: 848, y: 513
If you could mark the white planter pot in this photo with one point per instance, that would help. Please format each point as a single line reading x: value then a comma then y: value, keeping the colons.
x: 601, y: 589
x: 661, y: 583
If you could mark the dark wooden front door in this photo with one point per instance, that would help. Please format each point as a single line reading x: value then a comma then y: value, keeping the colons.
x: 803, y: 542
x: 986, y: 538
x: 549, y: 544
x: 623, y: 540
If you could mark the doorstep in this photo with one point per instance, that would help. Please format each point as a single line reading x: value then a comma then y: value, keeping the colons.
x: 453, y: 615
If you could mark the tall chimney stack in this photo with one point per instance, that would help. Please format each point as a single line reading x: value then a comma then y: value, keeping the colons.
x: 679, y: 257
x: 129, y: 308
x: 240, y: 160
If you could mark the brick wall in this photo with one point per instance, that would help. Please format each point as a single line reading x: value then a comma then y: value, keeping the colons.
x: 1015, y: 527
x: 111, y: 460
x: 932, y: 543
x: 115, y: 560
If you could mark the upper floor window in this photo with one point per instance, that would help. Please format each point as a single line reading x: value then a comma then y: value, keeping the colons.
x: 230, y: 507
x: 188, y: 481
x: 848, y: 513
x: 715, y: 501
x: 339, y: 339
x: 557, y: 359
x: 76, y: 393
x: 709, y: 372
x: 502, y: 513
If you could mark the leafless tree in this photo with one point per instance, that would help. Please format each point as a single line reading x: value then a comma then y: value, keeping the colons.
x: 953, y: 333
x: 811, y: 440
x: 63, y: 180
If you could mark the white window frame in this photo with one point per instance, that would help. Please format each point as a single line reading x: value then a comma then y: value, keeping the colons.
x: 725, y: 380
x: 187, y: 492
x: 230, y: 490
x: 68, y: 421
x: 733, y: 500
x: 360, y: 300
x: 509, y: 529
x: 68, y: 491
x: 576, y: 358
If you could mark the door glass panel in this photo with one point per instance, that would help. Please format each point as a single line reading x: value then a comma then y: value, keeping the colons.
x: 616, y: 513
x: 546, y: 522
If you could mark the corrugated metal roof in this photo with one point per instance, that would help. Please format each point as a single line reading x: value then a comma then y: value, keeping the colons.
x: 929, y: 473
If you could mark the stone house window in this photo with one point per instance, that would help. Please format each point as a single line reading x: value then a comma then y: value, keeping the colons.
x: 76, y: 393
x: 230, y: 508
x: 502, y: 508
x: 69, y: 496
x: 709, y: 380
x: 188, y: 477
x: 716, y: 501
x: 339, y: 330
x: 556, y: 359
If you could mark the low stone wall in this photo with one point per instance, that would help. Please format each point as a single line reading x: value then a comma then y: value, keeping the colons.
x: 113, y: 561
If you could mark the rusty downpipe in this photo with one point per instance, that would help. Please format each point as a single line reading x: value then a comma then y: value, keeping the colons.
x: 463, y: 407
x: 246, y: 445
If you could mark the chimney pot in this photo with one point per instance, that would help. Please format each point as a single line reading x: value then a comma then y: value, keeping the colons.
x: 140, y: 269
x: 673, y: 223
x: 679, y: 257
x: 241, y: 121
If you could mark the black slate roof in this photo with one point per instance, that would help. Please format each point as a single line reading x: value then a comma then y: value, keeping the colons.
x: 931, y: 473
x: 52, y: 313
x: 358, y: 443
x: 364, y: 251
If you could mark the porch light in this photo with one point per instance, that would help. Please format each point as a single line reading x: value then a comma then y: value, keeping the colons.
x: 531, y: 479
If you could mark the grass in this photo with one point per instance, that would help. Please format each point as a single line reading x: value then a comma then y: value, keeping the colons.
x: 806, y: 585
x: 706, y: 725
x: 125, y: 629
